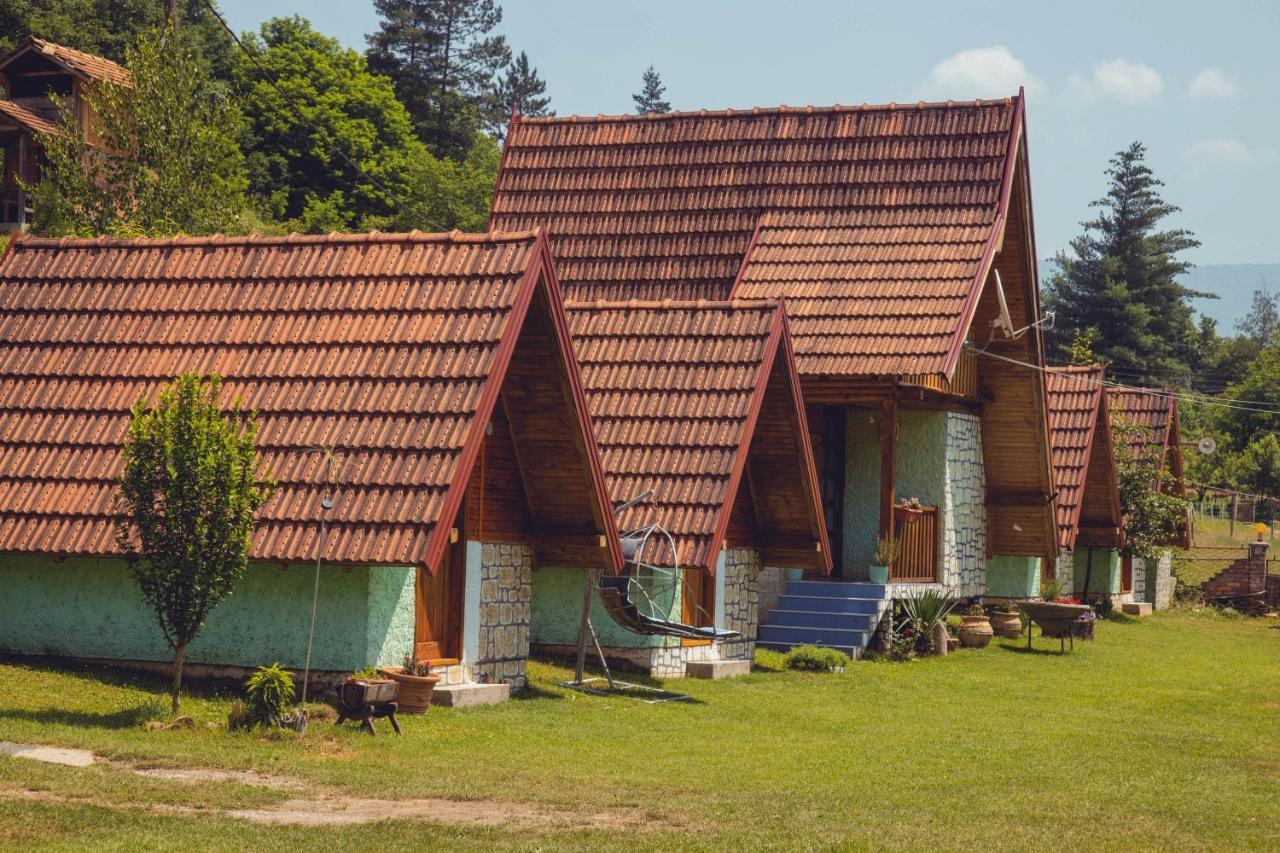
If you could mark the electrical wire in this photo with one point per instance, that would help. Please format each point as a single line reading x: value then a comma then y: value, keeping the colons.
x: 1258, y: 406
x: 295, y: 106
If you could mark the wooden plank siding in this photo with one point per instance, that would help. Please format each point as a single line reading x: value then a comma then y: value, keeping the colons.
x: 919, y: 546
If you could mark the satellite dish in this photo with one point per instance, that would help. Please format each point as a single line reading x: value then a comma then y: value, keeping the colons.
x: 1004, y: 321
x: 1207, y: 445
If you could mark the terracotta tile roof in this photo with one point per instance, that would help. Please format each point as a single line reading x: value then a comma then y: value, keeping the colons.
x: 674, y: 389
x: 1074, y: 396
x: 1154, y: 413
x: 25, y: 117
x: 873, y: 222
x: 382, y: 347
x: 85, y: 64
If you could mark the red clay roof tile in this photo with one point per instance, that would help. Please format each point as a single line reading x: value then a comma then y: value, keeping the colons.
x: 1075, y: 395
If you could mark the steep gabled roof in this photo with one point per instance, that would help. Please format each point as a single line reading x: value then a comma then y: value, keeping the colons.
x: 698, y: 401
x: 876, y: 223
x: 25, y: 117
x: 1080, y: 439
x: 84, y: 65
x: 388, y: 349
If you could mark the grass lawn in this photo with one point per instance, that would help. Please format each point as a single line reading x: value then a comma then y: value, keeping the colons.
x: 1162, y: 733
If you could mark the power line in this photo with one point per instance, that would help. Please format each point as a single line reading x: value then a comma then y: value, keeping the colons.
x: 297, y: 108
x: 1259, y: 406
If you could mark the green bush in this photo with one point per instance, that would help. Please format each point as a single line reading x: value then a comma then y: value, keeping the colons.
x: 767, y: 660
x: 269, y: 692
x: 816, y: 659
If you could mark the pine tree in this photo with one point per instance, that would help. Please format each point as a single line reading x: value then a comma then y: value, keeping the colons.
x: 649, y: 98
x: 442, y: 60
x: 520, y: 90
x: 1121, y: 276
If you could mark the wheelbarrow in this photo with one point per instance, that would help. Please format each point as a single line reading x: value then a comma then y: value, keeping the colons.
x: 368, y: 699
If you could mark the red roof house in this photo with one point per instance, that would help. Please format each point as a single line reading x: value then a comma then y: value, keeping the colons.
x: 1084, y: 464
x: 423, y: 382
x: 900, y: 237
x: 1155, y: 434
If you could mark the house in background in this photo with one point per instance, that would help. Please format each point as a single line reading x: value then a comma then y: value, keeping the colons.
x: 1090, y: 527
x: 435, y: 370
x: 1154, y: 433
x: 32, y: 75
x: 699, y: 403
x: 902, y: 241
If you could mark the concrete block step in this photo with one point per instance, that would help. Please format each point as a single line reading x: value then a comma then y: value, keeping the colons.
x: 815, y: 636
x: 828, y: 604
x: 821, y: 619
x: 840, y: 589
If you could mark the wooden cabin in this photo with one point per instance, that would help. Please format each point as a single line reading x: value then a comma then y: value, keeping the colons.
x: 697, y: 404
x: 1090, y: 526
x: 901, y: 239
x: 32, y: 75
x: 423, y: 383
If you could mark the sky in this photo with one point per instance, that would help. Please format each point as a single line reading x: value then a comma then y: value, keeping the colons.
x: 1198, y: 83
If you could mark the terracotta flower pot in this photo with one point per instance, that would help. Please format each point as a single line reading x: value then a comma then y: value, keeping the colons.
x: 1006, y: 624
x: 415, y: 690
x: 975, y: 632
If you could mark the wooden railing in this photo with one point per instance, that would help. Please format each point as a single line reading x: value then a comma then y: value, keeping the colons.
x: 918, y: 548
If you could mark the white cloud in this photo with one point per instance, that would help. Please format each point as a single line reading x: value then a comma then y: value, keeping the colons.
x: 983, y: 72
x: 1119, y: 80
x: 1221, y: 155
x: 1212, y: 84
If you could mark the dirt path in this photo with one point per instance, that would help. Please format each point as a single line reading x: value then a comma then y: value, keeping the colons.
x: 316, y: 807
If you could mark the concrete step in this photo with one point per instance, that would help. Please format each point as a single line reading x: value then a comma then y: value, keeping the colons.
x: 854, y: 652
x: 820, y: 619
x: 839, y: 589
x: 828, y: 604
x: 815, y: 636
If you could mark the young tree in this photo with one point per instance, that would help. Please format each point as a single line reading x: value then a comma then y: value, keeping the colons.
x: 1263, y: 320
x: 442, y: 59
x: 165, y: 159
x: 1122, y: 276
x: 1153, y: 515
x: 189, y: 492
x: 1258, y: 467
x: 329, y: 142
x: 520, y: 90
x: 649, y: 98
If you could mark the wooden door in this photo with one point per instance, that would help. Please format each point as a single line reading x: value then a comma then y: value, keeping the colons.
x: 1126, y: 574
x: 827, y: 434
x: 697, y: 602
x: 438, y: 621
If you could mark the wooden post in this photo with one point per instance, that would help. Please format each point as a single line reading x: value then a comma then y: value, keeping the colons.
x: 584, y: 627
x: 1235, y: 506
x: 888, y: 462
x: 19, y: 172
x: 1088, y: 574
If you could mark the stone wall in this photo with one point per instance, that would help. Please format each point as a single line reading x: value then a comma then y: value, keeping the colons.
x: 1064, y: 571
x: 964, y: 526
x: 772, y: 584
x: 506, y: 578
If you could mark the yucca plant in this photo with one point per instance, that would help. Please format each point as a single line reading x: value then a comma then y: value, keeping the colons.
x: 270, y: 692
x: 927, y: 608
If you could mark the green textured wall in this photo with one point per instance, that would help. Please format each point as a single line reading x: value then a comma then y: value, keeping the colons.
x: 557, y: 612
x: 1106, y: 570
x: 83, y: 607
x: 1013, y: 577
x: 920, y: 466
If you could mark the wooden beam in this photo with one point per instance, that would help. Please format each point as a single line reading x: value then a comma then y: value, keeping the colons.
x: 888, y: 462
x: 1030, y: 498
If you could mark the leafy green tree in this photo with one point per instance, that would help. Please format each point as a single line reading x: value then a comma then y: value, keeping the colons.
x: 166, y: 158
x: 442, y: 58
x: 1153, y: 514
x: 649, y: 99
x: 1258, y: 393
x: 189, y: 493
x: 1263, y: 320
x: 329, y: 144
x: 108, y: 27
x: 1122, y: 277
x: 444, y: 194
x: 520, y: 90
x: 1258, y: 466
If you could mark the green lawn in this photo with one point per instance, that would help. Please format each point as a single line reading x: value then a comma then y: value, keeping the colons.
x: 1162, y: 733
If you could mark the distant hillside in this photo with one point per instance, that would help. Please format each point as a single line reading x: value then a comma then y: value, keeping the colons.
x: 1233, y: 283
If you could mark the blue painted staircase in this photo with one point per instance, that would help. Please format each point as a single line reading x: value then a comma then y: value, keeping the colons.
x: 838, y: 614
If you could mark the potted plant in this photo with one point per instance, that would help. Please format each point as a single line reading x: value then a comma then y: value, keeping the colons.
x: 886, y: 550
x: 975, y: 628
x: 908, y: 510
x: 1006, y: 620
x: 417, y: 683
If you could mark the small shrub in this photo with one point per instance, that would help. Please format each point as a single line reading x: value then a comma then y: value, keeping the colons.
x: 767, y: 660
x: 413, y: 666
x: 816, y: 659
x: 1050, y: 589
x: 975, y: 610
x: 886, y: 550
x: 369, y: 672
x: 269, y: 691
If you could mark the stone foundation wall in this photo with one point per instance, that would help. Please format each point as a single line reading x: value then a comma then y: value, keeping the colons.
x: 506, y: 579
x: 1064, y: 571
x: 771, y: 583
x: 964, y: 524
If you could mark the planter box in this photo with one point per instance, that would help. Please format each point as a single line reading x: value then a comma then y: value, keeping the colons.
x: 1056, y: 620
